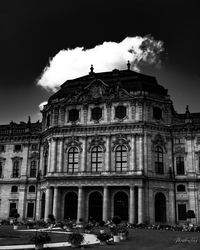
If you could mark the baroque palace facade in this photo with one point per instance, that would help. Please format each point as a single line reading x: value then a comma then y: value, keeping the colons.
x: 109, y: 144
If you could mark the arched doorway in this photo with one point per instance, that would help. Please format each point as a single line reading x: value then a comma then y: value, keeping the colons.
x: 70, y: 209
x: 42, y: 211
x: 121, y: 205
x: 160, y: 208
x: 95, y: 206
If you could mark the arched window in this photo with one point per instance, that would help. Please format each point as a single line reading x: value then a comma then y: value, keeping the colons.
x: 15, y: 169
x: 33, y: 168
x: 159, y: 166
x: 31, y: 189
x: 180, y: 168
x: 181, y: 188
x: 96, y: 159
x: 45, y: 162
x: 121, y: 158
x: 73, y: 160
x: 14, y: 189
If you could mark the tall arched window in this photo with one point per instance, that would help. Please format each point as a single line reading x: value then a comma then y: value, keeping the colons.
x: 73, y: 160
x: 45, y: 162
x: 159, y: 166
x: 121, y: 158
x: 33, y: 168
x: 96, y: 159
x: 180, y: 168
x: 15, y: 173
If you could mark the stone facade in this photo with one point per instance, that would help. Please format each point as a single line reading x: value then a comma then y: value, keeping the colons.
x: 109, y: 144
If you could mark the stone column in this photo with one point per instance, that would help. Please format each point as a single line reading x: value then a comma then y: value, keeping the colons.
x: 55, y: 203
x: 60, y: 157
x: 48, y: 199
x: 140, y: 205
x: 105, y: 204
x: 54, y: 155
x: 131, y: 205
x: 107, y: 155
x: 80, y: 203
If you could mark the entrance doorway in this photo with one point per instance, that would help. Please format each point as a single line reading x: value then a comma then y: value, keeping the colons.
x: 121, y: 205
x: 160, y: 208
x: 95, y: 206
x: 71, y: 204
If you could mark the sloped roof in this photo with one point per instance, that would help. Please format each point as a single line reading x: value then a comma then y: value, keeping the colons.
x: 129, y: 80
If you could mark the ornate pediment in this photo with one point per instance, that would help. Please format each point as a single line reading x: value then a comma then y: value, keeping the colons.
x: 34, y: 155
x: 159, y: 141
x: 97, y: 91
x: 179, y: 150
x: 121, y: 140
x: 95, y: 142
x: 73, y: 142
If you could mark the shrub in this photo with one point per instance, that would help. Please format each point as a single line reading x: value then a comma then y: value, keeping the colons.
x: 103, y: 236
x: 40, y: 238
x: 75, y: 238
x: 116, y: 220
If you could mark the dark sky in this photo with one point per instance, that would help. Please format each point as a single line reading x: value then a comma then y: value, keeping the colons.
x: 32, y: 31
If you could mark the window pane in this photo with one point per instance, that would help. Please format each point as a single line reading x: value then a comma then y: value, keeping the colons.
x: 30, y: 210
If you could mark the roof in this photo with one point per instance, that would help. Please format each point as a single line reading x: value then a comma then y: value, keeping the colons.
x: 129, y: 80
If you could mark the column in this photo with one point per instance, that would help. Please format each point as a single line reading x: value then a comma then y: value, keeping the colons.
x: 107, y: 155
x: 55, y: 203
x: 60, y: 168
x: 80, y: 204
x: 53, y: 160
x: 105, y: 204
x: 48, y: 198
x: 131, y: 206
x: 140, y: 205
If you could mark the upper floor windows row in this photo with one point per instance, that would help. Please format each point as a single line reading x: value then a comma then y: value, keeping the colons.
x: 19, y: 147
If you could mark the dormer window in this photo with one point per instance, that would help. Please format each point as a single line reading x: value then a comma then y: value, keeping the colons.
x: 96, y: 113
x: 157, y: 113
x: 73, y: 115
x: 120, y: 112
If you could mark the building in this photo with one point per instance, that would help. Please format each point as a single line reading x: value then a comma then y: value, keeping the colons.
x: 109, y: 144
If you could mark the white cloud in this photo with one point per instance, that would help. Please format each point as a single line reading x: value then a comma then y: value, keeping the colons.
x: 72, y: 63
x: 41, y: 105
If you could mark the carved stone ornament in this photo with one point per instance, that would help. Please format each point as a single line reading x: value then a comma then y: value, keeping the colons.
x: 121, y: 140
x: 34, y: 155
x: 73, y: 142
x: 45, y: 147
x: 95, y: 142
x: 159, y: 141
x: 179, y: 150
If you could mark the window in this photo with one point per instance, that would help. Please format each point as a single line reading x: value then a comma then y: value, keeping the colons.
x: 15, y: 169
x: 96, y: 159
x: 14, y: 189
x: 13, y: 205
x: 120, y: 112
x: 157, y: 113
x: 73, y: 160
x: 181, y: 188
x: 73, y: 115
x: 30, y: 209
x: 33, y: 169
x: 180, y: 169
x: 121, y: 158
x: 96, y: 113
x: 159, y: 168
x: 34, y: 147
x: 17, y: 148
x: 31, y: 189
x: 2, y: 148
x: 48, y: 120
x: 181, y: 211
x: 45, y: 162
x: 1, y: 169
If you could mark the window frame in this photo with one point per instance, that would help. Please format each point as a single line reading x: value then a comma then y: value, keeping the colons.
x: 181, y: 185
x: 180, y: 165
x: 158, y: 160
x: 73, y: 154
x: 12, y: 187
x: 69, y: 115
x: 33, y: 168
x: 96, y: 159
x: 16, y: 168
x: 121, y: 152
x: 118, y: 112
x: 98, y: 115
